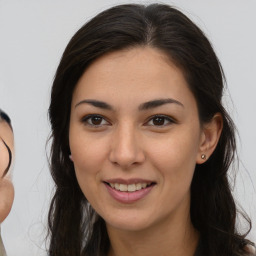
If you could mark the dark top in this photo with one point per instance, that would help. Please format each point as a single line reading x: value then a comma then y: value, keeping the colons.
x: 249, y: 250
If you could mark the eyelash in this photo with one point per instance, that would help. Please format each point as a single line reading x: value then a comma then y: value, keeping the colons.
x: 167, y: 119
x: 88, y: 120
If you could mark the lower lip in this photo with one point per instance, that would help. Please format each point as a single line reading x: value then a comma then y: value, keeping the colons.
x: 128, y: 197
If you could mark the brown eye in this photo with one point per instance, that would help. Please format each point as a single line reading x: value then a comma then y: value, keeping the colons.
x: 95, y: 121
x: 160, y: 120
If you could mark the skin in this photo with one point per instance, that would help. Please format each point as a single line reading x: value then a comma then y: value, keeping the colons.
x: 128, y: 142
x: 6, y: 186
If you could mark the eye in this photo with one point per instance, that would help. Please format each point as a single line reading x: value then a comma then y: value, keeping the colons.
x: 95, y: 120
x: 160, y: 120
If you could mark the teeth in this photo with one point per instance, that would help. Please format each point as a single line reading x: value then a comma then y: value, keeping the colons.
x: 116, y: 186
x: 123, y: 187
x: 144, y: 185
x: 130, y: 187
x: 138, y: 186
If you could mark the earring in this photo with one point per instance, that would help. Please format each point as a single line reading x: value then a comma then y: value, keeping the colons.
x: 70, y: 157
x: 203, y: 156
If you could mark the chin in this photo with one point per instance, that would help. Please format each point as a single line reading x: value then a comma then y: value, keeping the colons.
x: 128, y: 222
x: 128, y: 226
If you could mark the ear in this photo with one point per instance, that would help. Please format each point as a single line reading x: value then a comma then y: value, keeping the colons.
x: 210, y: 136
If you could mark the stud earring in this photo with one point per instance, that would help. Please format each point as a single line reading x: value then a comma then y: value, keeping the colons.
x: 203, y: 156
x: 70, y: 157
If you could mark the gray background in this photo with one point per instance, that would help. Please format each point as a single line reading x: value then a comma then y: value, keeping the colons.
x: 33, y: 35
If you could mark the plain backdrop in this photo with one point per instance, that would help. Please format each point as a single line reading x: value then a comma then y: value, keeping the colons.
x: 33, y: 35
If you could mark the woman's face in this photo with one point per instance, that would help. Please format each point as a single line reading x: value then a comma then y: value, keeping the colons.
x: 135, y: 138
x: 6, y: 186
x: 6, y: 134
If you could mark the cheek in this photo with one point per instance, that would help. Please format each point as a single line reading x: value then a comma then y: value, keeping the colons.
x: 175, y: 162
x: 175, y: 155
x: 87, y: 152
x: 86, y: 164
x: 89, y: 155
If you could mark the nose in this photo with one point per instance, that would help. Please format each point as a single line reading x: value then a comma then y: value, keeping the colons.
x: 126, y: 147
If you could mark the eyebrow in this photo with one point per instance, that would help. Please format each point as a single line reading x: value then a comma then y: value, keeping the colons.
x: 144, y: 106
x: 157, y: 103
x: 96, y: 103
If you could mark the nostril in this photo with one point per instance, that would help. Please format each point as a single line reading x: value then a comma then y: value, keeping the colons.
x: 126, y: 159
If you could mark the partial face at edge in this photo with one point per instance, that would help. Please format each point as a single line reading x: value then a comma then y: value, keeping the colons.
x: 6, y: 134
x: 6, y: 186
x: 135, y: 121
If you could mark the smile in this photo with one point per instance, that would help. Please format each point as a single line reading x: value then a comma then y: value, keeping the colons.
x: 128, y: 191
x: 129, y: 187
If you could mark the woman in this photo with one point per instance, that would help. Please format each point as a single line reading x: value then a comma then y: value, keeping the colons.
x: 6, y: 186
x: 141, y: 142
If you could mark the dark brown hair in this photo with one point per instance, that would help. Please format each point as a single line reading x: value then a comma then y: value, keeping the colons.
x: 213, y: 210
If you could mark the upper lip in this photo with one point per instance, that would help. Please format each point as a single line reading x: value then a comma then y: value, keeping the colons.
x: 129, y: 181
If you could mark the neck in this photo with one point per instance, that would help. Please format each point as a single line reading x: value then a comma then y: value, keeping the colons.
x: 168, y: 238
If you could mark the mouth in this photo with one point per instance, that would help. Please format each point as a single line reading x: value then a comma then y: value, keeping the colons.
x: 130, y: 187
x: 129, y: 191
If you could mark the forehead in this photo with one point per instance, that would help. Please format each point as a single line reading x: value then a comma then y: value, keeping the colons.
x: 140, y: 73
